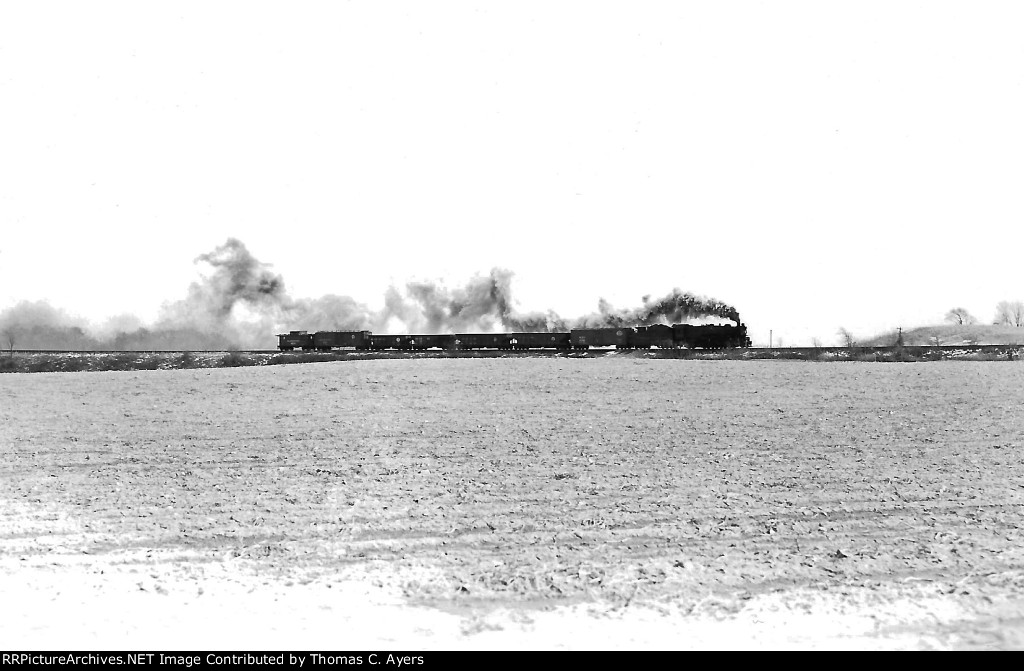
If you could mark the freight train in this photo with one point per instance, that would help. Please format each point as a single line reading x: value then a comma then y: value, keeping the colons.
x: 661, y: 336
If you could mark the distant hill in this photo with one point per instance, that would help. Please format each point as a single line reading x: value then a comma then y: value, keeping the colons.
x: 946, y: 334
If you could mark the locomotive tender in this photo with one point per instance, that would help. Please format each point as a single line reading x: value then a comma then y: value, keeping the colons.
x: 661, y: 336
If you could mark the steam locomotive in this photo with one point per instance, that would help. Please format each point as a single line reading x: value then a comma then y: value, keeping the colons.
x: 661, y: 336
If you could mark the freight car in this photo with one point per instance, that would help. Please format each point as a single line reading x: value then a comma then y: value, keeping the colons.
x: 481, y: 340
x: 619, y: 338
x: 411, y: 342
x: 289, y: 341
x: 512, y: 341
x: 324, y: 341
x: 661, y: 336
x: 559, y: 341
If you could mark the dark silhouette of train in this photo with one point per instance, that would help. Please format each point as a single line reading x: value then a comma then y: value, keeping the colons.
x: 661, y: 336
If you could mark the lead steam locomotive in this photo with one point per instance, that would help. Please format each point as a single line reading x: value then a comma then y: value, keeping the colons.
x: 661, y: 336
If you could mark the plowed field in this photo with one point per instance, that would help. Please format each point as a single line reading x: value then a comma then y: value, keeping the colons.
x: 613, y: 502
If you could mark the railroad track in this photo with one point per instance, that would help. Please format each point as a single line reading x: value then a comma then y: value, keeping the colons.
x: 779, y: 350
x: 141, y: 351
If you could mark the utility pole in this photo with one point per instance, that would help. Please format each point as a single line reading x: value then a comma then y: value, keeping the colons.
x: 769, y: 338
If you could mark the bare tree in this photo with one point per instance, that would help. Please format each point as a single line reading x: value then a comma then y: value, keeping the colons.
x: 960, y: 316
x: 1010, y: 313
x: 846, y: 338
x: 9, y: 337
x: 816, y: 343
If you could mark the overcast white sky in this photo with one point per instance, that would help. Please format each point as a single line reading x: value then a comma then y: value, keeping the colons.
x: 815, y: 164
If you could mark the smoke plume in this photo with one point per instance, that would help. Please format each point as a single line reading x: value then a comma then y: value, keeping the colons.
x: 39, y: 325
x: 241, y: 292
x: 242, y: 303
x: 675, y: 308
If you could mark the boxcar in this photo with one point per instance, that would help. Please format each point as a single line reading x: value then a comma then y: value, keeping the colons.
x: 286, y: 342
x: 325, y: 340
x: 604, y: 337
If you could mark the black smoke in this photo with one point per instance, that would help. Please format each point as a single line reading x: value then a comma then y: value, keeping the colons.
x: 242, y: 303
x: 677, y: 307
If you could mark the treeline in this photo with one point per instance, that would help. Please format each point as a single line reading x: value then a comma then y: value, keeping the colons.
x: 1008, y: 313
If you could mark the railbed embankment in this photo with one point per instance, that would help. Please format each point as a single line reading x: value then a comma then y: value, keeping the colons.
x: 51, y: 361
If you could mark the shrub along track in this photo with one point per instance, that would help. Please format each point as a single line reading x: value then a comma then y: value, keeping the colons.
x: 693, y: 486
